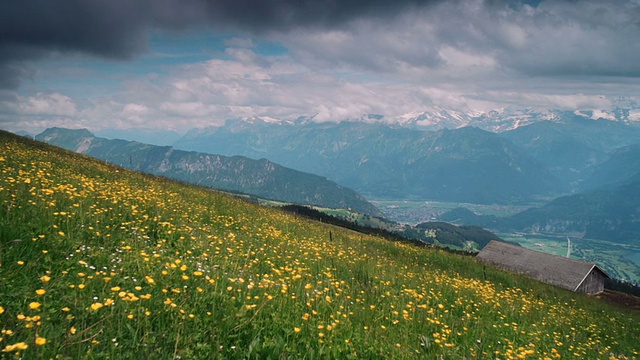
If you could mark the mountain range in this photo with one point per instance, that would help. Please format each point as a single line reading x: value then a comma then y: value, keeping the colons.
x: 623, y: 110
x: 381, y: 160
x: 545, y: 158
x: 261, y: 178
x: 573, y: 147
x: 589, y: 165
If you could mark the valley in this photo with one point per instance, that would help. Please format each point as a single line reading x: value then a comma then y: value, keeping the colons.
x: 417, y: 211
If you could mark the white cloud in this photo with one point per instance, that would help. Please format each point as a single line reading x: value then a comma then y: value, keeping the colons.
x: 135, y: 112
x: 554, y: 101
x: 53, y: 104
x: 186, y: 109
x: 460, y: 59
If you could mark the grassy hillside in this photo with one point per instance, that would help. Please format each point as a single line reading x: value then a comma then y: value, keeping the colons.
x: 100, y: 262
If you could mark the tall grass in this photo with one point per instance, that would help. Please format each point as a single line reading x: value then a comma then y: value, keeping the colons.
x: 99, y: 262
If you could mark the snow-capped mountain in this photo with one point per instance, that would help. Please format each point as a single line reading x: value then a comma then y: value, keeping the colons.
x: 434, y: 118
x: 507, y: 118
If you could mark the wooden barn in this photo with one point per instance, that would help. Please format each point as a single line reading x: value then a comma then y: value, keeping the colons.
x: 574, y: 275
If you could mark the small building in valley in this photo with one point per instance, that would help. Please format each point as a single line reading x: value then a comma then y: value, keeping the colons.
x: 574, y: 275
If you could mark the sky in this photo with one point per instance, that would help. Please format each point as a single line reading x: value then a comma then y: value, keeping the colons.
x: 176, y: 65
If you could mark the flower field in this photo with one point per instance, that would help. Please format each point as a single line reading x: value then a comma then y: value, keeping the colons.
x: 100, y: 262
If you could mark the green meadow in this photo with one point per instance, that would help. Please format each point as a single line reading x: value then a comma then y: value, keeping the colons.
x: 97, y: 262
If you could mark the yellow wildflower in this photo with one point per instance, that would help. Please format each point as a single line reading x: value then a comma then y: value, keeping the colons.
x: 15, y: 347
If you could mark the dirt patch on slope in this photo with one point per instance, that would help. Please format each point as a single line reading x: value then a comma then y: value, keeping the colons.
x: 621, y: 299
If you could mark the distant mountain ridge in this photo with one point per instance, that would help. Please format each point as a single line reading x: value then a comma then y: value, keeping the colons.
x: 381, y: 160
x: 432, y: 118
x: 261, y: 178
x: 572, y: 148
x: 160, y: 137
x: 611, y: 212
x: 433, y: 155
x: 621, y: 164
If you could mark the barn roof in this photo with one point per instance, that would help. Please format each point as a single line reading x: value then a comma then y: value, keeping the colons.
x: 556, y: 270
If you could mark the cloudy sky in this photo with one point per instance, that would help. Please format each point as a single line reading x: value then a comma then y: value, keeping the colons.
x: 181, y: 64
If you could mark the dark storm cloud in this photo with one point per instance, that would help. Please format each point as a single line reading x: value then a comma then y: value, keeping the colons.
x: 282, y: 14
x: 531, y: 37
x: 30, y: 29
x: 589, y: 37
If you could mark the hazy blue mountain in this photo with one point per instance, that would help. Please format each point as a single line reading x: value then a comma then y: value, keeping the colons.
x: 572, y: 146
x: 621, y: 164
x: 472, y: 165
x: 147, y: 136
x: 466, y: 165
x: 611, y: 213
x: 261, y: 178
